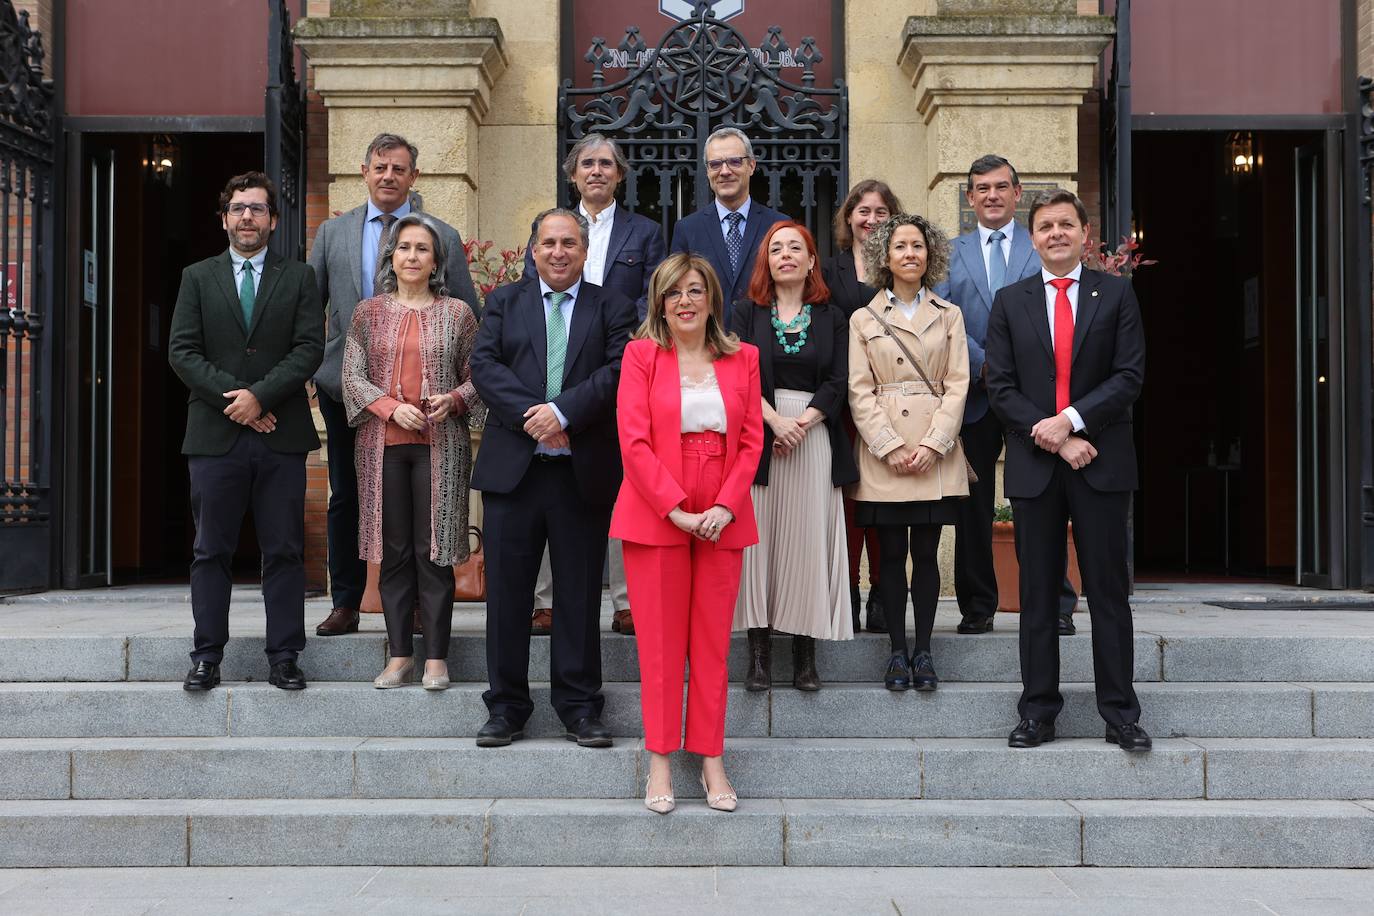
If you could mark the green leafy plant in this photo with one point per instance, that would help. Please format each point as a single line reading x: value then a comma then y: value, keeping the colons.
x: 1002, y: 513
x: 492, y: 270
x: 1120, y: 263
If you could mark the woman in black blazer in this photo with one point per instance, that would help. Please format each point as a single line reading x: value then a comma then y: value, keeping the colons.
x: 793, y: 579
x: 868, y: 204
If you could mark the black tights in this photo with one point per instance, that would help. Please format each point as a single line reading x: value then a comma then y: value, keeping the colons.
x: 924, y: 543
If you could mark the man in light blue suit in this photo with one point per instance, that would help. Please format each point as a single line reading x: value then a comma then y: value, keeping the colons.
x: 995, y: 254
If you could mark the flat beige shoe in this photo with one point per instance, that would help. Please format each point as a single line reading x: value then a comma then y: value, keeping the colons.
x: 435, y: 682
x: 398, y: 678
x: 721, y: 801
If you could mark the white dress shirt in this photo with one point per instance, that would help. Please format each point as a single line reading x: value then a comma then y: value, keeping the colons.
x: 1051, y: 294
x: 567, y: 310
x: 723, y: 211
x: 598, y: 241
x: 256, y: 261
x: 908, y: 308
x: 984, y: 233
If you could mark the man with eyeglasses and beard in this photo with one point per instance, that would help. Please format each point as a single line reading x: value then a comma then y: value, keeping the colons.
x: 727, y: 233
x: 245, y: 338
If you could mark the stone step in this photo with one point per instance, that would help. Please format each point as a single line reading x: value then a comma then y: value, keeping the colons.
x: 956, y: 710
x: 596, y: 832
x: 162, y: 656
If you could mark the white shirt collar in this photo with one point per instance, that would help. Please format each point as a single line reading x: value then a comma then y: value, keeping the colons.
x: 373, y: 211
x: 984, y: 233
x: 892, y: 297
x: 572, y: 291
x: 1075, y: 275
x: 607, y: 214
x: 256, y: 260
x: 723, y: 211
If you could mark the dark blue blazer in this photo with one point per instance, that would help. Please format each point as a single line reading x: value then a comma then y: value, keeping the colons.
x: 509, y: 367
x: 700, y: 234
x: 636, y: 248
x: 967, y: 287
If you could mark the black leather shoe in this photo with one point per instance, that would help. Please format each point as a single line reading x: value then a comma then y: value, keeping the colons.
x: 877, y: 619
x: 202, y: 676
x: 1129, y: 737
x: 1031, y: 733
x: 589, y: 732
x: 856, y: 607
x: 498, y: 732
x: 971, y: 624
x: 804, y: 674
x: 287, y: 675
x: 923, y: 676
x: 898, y: 675
x: 759, y: 677
x: 1066, y: 627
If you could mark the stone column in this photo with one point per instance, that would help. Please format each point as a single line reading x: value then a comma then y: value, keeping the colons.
x: 1008, y: 82
x: 420, y: 68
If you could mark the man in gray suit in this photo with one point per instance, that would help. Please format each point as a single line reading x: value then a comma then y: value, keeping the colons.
x: 995, y: 254
x: 345, y: 260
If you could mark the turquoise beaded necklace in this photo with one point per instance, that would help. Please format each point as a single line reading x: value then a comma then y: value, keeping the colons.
x: 797, y: 325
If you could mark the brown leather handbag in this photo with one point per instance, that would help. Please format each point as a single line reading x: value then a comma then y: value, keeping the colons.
x: 470, y: 576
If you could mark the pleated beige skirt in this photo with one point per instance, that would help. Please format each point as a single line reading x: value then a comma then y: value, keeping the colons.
x: 796, y: 579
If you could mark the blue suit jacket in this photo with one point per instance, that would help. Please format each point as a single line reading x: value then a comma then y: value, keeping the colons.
x: 635, y: 250
x: 700, y: 234
x: 967, y: 287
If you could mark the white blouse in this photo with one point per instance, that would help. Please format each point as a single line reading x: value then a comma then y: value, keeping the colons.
x: 703, y: 408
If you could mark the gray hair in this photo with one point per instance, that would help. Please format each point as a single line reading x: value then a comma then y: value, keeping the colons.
x: 722, y: 133
x: 384, y: 142
x: 386, y: 273
x: 590, y: 142
x: 584, y: 227
x: 880, y: 240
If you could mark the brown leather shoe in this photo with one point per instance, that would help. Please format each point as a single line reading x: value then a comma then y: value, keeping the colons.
x: 623, y: 623
x: 341, y: 620
x: 541, y: 624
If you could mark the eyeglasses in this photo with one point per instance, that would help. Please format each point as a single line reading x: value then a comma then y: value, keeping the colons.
x: 255, y: 209
x: 675, y: 295
x: 735, y: 163
x: 606, y: 164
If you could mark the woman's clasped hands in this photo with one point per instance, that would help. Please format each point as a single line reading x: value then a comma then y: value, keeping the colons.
x: 906, y: 460
x: 706, y: 525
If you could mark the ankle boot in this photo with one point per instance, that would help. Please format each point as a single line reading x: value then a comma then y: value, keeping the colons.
x: 804, y: 676
x: 877, y: 619
x: 856, y: 607
x: 760, y: 675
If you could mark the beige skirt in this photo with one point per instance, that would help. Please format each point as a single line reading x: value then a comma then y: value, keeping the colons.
x: 796, y: 578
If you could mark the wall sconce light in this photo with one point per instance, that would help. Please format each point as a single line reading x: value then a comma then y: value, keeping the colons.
x: 162, y: 158
x: 1240, y: 152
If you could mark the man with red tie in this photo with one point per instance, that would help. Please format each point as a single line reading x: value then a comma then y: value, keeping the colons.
x: 1066, y: 360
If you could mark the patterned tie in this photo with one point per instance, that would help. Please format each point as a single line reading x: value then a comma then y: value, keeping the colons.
x: 1063, y: 342
x: 557, y: 335
x: 997, y: 263
x: 734, y: 239
x: 247, y: 293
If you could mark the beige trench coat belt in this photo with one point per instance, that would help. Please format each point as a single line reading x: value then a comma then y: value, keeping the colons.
x: 911, y: 388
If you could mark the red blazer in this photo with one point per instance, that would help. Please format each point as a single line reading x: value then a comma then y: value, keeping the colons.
x: 649, y: 417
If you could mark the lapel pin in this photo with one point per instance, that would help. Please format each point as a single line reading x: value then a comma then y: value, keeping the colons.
x: 1094, y: 294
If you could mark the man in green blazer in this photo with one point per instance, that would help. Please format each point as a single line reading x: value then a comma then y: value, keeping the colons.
x: 246, y: 336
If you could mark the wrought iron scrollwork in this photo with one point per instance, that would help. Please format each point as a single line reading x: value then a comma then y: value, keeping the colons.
x: 704, y: 74
x: 284, y: 136
x: 1366, y: 137
x: 25, y: 95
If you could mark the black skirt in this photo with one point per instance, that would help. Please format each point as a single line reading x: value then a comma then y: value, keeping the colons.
x: 918, y: 512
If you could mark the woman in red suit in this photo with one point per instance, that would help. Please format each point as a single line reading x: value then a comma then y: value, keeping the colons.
x: 691, y: 435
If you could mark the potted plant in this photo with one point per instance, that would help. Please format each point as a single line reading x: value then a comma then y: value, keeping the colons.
x: 1008, y: 569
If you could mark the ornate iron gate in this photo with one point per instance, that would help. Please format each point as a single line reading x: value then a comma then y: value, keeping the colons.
x: 704, y: 75
x: 1116, y: 134
x: 284, y: 134
x: 27, y: 124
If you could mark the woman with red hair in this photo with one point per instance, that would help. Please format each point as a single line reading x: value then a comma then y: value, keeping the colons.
x: 794, y: 579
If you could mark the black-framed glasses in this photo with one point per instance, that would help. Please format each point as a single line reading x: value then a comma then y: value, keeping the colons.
x: 238, y: 209
x: 735, y: 163
x: 693, y: 292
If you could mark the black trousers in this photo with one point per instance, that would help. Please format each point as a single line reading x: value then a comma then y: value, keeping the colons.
x: 222, y: 488
x: 546, y: 507
x: 347, y: 572
x: 407, y: 571
x: 975, y: 581
x: 1099, y: 521
x: 924, y: 541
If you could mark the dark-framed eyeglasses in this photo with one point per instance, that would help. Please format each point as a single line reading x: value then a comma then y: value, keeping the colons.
x: 238, y: 209
x: 735, y: 163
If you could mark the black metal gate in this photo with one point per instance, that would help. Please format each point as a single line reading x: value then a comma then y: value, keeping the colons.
x: 284, y: 134
x: 27, y: 121
x: 704, y: 75
x: 1116, y: 134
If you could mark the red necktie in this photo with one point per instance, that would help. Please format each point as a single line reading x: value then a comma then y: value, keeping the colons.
x: 1063, y: 342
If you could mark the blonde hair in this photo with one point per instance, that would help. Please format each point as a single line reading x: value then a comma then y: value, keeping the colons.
x: 668, y: 274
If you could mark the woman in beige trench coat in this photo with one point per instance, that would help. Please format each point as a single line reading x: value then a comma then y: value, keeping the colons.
x: 911, y: 464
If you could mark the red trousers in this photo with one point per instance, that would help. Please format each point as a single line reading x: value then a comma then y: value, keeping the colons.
x: 684, y: 602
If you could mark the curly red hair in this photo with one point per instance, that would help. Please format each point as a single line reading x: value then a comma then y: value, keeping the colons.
x: 761, y: 288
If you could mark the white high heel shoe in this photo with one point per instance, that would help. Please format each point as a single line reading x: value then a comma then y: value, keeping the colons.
x: 721, y: 801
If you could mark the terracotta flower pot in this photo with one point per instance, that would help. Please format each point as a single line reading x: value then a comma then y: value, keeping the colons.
x: 1009, y: 570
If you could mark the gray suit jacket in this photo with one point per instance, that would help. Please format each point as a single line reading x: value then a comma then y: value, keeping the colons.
x: 967, y: 287
x: 337, y: 258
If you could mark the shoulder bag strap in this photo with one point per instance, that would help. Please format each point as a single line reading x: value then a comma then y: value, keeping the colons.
x: 898, y: 341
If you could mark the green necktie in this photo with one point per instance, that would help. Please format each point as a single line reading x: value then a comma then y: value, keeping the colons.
x: 557, y: 334
x: 246, y: 293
